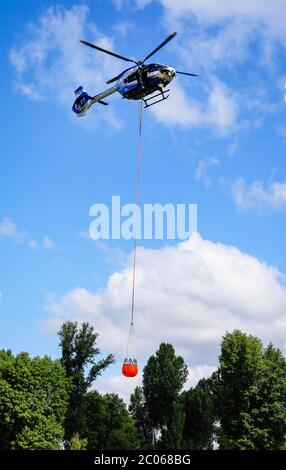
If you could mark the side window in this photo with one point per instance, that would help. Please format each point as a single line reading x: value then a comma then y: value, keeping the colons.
x: 130, y: 78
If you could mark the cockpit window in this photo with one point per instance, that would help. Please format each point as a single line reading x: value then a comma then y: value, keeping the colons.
x: 154, y: 67
x: 130, y: 78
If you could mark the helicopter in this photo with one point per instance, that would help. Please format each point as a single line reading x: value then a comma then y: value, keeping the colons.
x: 138, y: 82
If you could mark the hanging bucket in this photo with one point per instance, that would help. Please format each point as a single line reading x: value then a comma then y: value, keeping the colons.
x: 130, y: 368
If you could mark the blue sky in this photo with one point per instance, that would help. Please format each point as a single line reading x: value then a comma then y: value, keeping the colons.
x: 219, y: 141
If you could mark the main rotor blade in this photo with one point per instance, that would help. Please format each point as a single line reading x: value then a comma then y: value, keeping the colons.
x: 111, y: 80
x: 160, y: 46
x: 186, y: 73
x: 107, y: 52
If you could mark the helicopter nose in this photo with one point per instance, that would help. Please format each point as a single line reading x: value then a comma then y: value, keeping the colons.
x: 169, y: 72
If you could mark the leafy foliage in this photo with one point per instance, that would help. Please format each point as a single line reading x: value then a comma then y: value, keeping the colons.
x: 199, y: 416
x: 78, y: 354
x: 163, y: 379
x: 241, y: 406
x: 33, y: 402
x: 250, y: 394
x: 76, y: 443
x: 108, y: 424
x: 139, y: 413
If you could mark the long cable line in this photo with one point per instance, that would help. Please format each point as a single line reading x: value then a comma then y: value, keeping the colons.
x: 131, y: 329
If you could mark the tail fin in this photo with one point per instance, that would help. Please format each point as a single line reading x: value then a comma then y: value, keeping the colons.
x: 82, y: 102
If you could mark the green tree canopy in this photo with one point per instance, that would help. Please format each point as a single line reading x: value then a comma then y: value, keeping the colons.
x: 199, y: 416
x: 163, y: 379
x: 79, y: 351
x: 108, y: 424
x: 139, y: 413
x: 33, y: 402
x: 250, y: 394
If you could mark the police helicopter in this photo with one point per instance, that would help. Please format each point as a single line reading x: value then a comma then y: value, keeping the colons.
x: 138, y: 82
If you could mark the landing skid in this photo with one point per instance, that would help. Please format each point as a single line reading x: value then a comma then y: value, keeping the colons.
x: 162, y: 94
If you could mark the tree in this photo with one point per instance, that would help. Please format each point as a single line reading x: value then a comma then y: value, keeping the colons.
x: 33, y: 402
x: 108, y: 425
x: 250, y: 394
x: 139, y: 413
x: 273, y: 397
x: 265, y: 421
x: 163, y: 379
x: 76, y: 443
x: 241, y: 363
x: 199, y: 416
x: 78, y: 354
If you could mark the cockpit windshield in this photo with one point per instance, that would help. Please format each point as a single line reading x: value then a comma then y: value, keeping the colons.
x: 155, y: 67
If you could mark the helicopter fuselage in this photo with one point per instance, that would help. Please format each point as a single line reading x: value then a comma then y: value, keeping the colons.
x: 142, y: 80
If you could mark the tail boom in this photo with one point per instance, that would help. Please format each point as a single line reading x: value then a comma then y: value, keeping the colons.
x: 83, y: 101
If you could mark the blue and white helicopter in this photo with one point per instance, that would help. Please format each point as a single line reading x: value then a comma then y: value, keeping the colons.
x: 138, y: 82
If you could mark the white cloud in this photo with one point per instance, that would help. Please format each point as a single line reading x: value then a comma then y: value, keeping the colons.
x: 48, y: 244
x: 205, y: 50
x: 33, y: 244
x: 189, y: 295
x: 222, y: 108
x: 50, y: 61
x: 9, y: 229
x: 29, y: 90
x: 258, y: 195
x: 140, y: 4
x: 270, y: 13
x: 201, y: 172
x: 197, y: 373
x: 238, y: 25
x: 219, y: 111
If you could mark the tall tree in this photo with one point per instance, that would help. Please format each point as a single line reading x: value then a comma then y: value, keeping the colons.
x: 241, y: 363
x: 139, y: 413
x: 79, y: 351
x: 250, y: 394
x: 199, y: 416
x: 33, y: 402
x: 163, y: 379
x: 264, y: 424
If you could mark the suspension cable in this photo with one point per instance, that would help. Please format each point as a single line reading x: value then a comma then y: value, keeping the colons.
x: 137, y: 207
x: 131, y: 329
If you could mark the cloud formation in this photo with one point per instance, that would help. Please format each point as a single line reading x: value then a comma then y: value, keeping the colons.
x: 201, y: 172
x: 189, y: 295
x: 48, y: 244
x: 258, y: 195
x: 209, y: 11
x: 219, y: 110
x: 50, y: 61
x: 9, y: 229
